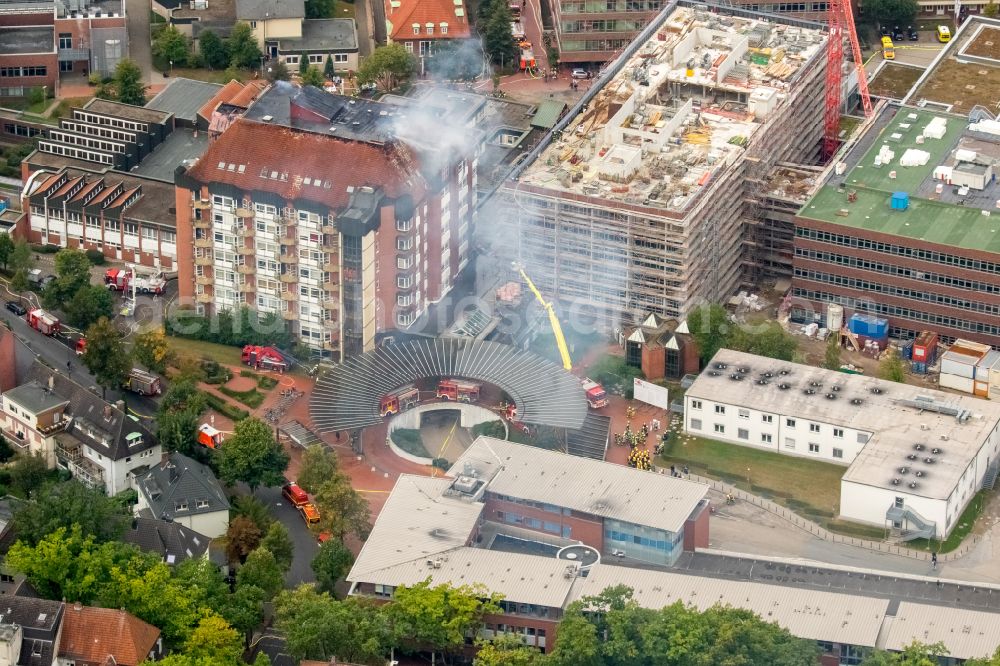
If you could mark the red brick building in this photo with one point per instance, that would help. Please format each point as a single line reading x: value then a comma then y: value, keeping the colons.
x: 421, y: 25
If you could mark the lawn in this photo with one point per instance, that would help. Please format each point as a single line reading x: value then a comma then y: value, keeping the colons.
x: 218, y: 353
x: 212, y: 75
x: 964, y: 527
x: 409, y: 440
x: 252, y: 398
x: 808, y: 487
x: 66, y: 106
x: 343, y: 9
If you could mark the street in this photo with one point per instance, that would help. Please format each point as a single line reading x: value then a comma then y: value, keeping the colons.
x: 303, y: 540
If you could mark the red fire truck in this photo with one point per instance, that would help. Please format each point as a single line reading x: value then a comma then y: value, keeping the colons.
x: 399, y: 400
x: 527, y: 56
x: 264, y: 358
x: 122, y: 279
x: 458, y: 390
x: 142, y: 382
x: 597, y: 397
x: 42, y: 321
x: 81, y: 346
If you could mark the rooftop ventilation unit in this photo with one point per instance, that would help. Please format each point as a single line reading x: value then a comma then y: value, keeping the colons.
x: 768, y: 375
x: 743, y: 370
x: 736, y: 376
x: 918, y: 473
x: 713, y: 373
x: 877, y: 390
x: 465, y: 484
x: 721, y: 366
x: 784, y: 387
x: 856, y: 401
x: 904, y: 470
x: 831, y: 396
x: 836, y: 388
x: 918, y: 447
x: 784, y: 373
x: 912, y: 456
x: 815, y: 384
x: 913, y: 485
x: 936, y: 451
x: 809, y: 391
x: 929, y: 460
x: 896, y: 482
x: 762, y: 381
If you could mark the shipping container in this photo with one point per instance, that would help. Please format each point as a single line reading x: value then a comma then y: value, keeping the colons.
x: 985, y: 365
x: 958, y: 365
x: 907, y: 350
x: 981, y: 389
x: 869, y: 325
x: 924, y: 346
x: 963, y: 384
x: 919, y: 367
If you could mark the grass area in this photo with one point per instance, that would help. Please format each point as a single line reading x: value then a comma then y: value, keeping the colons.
x: 410, y: 440
x: 199, y: 349
x: 212, y: 75
x: 66, y: 106
x: 252, y: 398
x: 964, y: 527
x: 226, y: 408
x: 343, y: 9
x: 894, y: 81
x: 962, y: 84
x: 848, y: 124
x: 808, y: 487
x: 848, y: 528
x: 263, y: 382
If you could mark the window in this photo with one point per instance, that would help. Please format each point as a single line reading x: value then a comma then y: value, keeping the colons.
x: 409, y: 46
x: 838, y: 432
x: 695, y: 424
x: 341, y: 58
x: 416, y: 28
x: 65, y: 40
x: 813, y: 427
x: 425, y: 48
x: 862, y: 438
x: 720, y: 428
x: 838, y: 453
x: 765, y: 438
x: 813, y: 448
x: 790, y: 423
x: 767, y: 418
x: 790, y: 443
x: 744, y: 413
x: 253, y: 25
x: 315, y: 59
x: 720, y: 409
x: 743, y: 433
x: 696, y: 404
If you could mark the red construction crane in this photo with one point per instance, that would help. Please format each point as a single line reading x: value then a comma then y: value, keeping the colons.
x: 841, y: 20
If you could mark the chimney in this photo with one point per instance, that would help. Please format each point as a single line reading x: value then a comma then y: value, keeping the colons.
x: 52, y: 382
x: 120, y: 405
x: 107, y: 412
x: 77, y: 606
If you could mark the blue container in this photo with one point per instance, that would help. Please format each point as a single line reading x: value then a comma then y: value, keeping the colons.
x: 908, y: 350
x: 919, y: 367
x: 900, y: 201
x: 869, y: 326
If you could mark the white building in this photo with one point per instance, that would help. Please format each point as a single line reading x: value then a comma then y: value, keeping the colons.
x: 186, y: 492
x: 916, y: 457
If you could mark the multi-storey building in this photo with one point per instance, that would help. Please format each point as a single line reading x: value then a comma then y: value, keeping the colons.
x: 47, y: 39
x: 422, y: 25
x: 642, y: 201
x: 311, y: 206
x: 598, y: 30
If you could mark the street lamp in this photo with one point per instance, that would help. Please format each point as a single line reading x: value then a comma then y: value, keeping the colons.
x: 171, y: 68
x: 748, y: 478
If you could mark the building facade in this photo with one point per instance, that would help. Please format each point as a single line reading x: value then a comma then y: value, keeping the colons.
x: 323, y: 217
x: 914, y: 457
x: 421, y: 26
x: 643, y: 201
x: 184, y: 491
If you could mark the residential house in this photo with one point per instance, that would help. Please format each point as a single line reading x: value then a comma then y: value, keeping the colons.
x: 29, y: 630
x: 173, y: 542
x: 94, y: 636
x: 186, y: 492
x: 421, y: 25
x: 284, y: 33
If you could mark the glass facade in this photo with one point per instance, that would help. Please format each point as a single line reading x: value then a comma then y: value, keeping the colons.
x: 642, y: 543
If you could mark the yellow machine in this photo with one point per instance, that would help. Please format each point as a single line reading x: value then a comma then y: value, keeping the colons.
x: 943, y: 33
x: 553, y: 320
x: 888, y: 50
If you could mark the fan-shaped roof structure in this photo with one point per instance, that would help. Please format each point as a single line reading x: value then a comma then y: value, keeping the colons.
x: 347, y: 397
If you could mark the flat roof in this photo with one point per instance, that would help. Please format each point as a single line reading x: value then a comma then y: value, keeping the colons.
x: 967, y: 71
x: 590, y: 486
x: 28, y: 39
x: 967, y: 634
x: 680, y: 112
x: 890, y: 411
x: 951, y: 217
x: 827, y: 616
x: 180, y: 145
x: 183, y: 97
x: 127, y: 111
x: 34, y: 397
x: 338, y: 34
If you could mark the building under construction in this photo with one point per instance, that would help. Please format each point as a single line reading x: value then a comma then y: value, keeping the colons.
x: 650, y: 194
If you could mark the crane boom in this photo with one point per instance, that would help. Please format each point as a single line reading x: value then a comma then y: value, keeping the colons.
x: 553, y: 320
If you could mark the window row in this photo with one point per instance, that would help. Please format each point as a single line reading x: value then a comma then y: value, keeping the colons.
x: 29, y: 70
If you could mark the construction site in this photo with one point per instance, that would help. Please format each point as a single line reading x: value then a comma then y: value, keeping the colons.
x: 652, y: 197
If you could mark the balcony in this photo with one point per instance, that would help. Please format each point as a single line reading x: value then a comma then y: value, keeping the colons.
x: 249, y: 287
x: 73, y: 55
x: 328, y: 229
x: 244, y: 212
x: 203, y: 280
x: 243, y: 232
x: 70, y: 454
x: 331, y: 268
x: 288, y: 258
x: 289, y: 315
x: 243, y: 269
x: 203, y: 223
x: 331, y: 303
x: 289, y: 296
x: 202, y: 204
x: 203, y: 261
x: 203, y: 242
x: 333, y: 287
x: 331, y: 324
x: 288, y: 278
x: 244, y: 250
x: 203, y: 297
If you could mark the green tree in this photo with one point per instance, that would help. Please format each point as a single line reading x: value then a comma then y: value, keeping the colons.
x: 278, y: 71
x: 152, y: 351
x: 65, y: 505
x: 456, y: 60
x: 389, y: 65
x: 342, y: 509
x: 19, y: 282
x: 317, y: 626
x: 261, y: 570
x: 72, y: 274
x: 171, y: 46
x: 320, y: 9
x: 242, y: 46
x: 892, y: 12
x: 106, y: 356
x: 506, y: 650
x: 279, y: 543
x: 233, y: 73
x: 6, y: 249
x: 990, y: 661
x: 318, y: 466
x: 28, y: 473
x: 22, y: 258
x: 303, y: 62
x: 178, y: 418
x: 914, y: 654
x: 710, y: 327
x: 831, y: 359
x: 439, y: 617
x: 990, y: 10
x: 768, y: 340
x: 496, y: 37
x: 578, y: 643
x: 329, y: 71
x: 251, y: 455
x: 254, y: 510
x: 89, y: 304
x: 244, y: 609
x: 127, y: 83
x: 891, y: 367
x: 332, y: 562
x: 213, y: 50
x: 313, y: 77
x: 214, y: 640
x: 242, y: 538
x: 151, y: 594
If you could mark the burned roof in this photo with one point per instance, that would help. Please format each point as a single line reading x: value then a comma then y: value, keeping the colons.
x: 348, y: 396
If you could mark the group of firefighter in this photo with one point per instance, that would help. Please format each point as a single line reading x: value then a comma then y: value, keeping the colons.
x: 638, y: 456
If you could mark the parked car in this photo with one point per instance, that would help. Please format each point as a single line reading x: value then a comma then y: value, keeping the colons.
x: 883, y: 31
x: 912, y: 33
x: 897, y: 34
x: 579, y: 74
x: 16, y: 308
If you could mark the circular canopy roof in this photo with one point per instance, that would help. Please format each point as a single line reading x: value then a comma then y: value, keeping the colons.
x: 347, y: 397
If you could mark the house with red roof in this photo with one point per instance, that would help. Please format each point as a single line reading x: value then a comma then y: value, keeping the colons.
x: 421, y: 24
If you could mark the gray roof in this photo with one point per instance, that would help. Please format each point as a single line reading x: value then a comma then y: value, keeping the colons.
x: 95, y: 423
x: 247, y: 10
x: 27, y: 40
x: 179, y: 482
x: 171, y: 541
x: 39, y: 620
x: 183, y: 98
x: 325, y: 35
x: 967, y: 634
x: 127, y: 111
x: 35, y: 397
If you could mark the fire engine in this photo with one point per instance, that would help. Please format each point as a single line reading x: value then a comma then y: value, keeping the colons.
x: 209, y: 436
x: 596, y: 395
x: 527, y: 56
x: 399, y: 400
x: 142, y: 382
x: 456, y: 389
x: 264, y: 358
x: 43, y: 322
x: 123, y: 279
x: 81, y: 346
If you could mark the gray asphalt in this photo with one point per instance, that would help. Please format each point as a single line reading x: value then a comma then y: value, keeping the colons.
x: 139, y: 47
x: 303, y: 540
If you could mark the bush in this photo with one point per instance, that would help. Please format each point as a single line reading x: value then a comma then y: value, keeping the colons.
x: 266, y: 383
x: 96, y: 257
x: 46, y: 249
x: 215, y: 373
x: 235, y: 329
x: 250, y: 398
x: 493, y: 429
x: 226, y: 409
x: 441, y: 463
x: 94, y: 79
x: 409, y: 440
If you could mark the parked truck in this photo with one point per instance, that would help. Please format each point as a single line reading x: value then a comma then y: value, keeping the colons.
x: 43, y: 322
x: 142, y: 382
x: 264, y: 358
x: 123, y: 279
x: 399, y: 400
x: 458, y: 390
x: 597, y: 397
x: 527, y: 56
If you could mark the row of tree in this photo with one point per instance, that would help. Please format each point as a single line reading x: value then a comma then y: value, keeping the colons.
x: 714, y: 330
x: 239, y: 50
